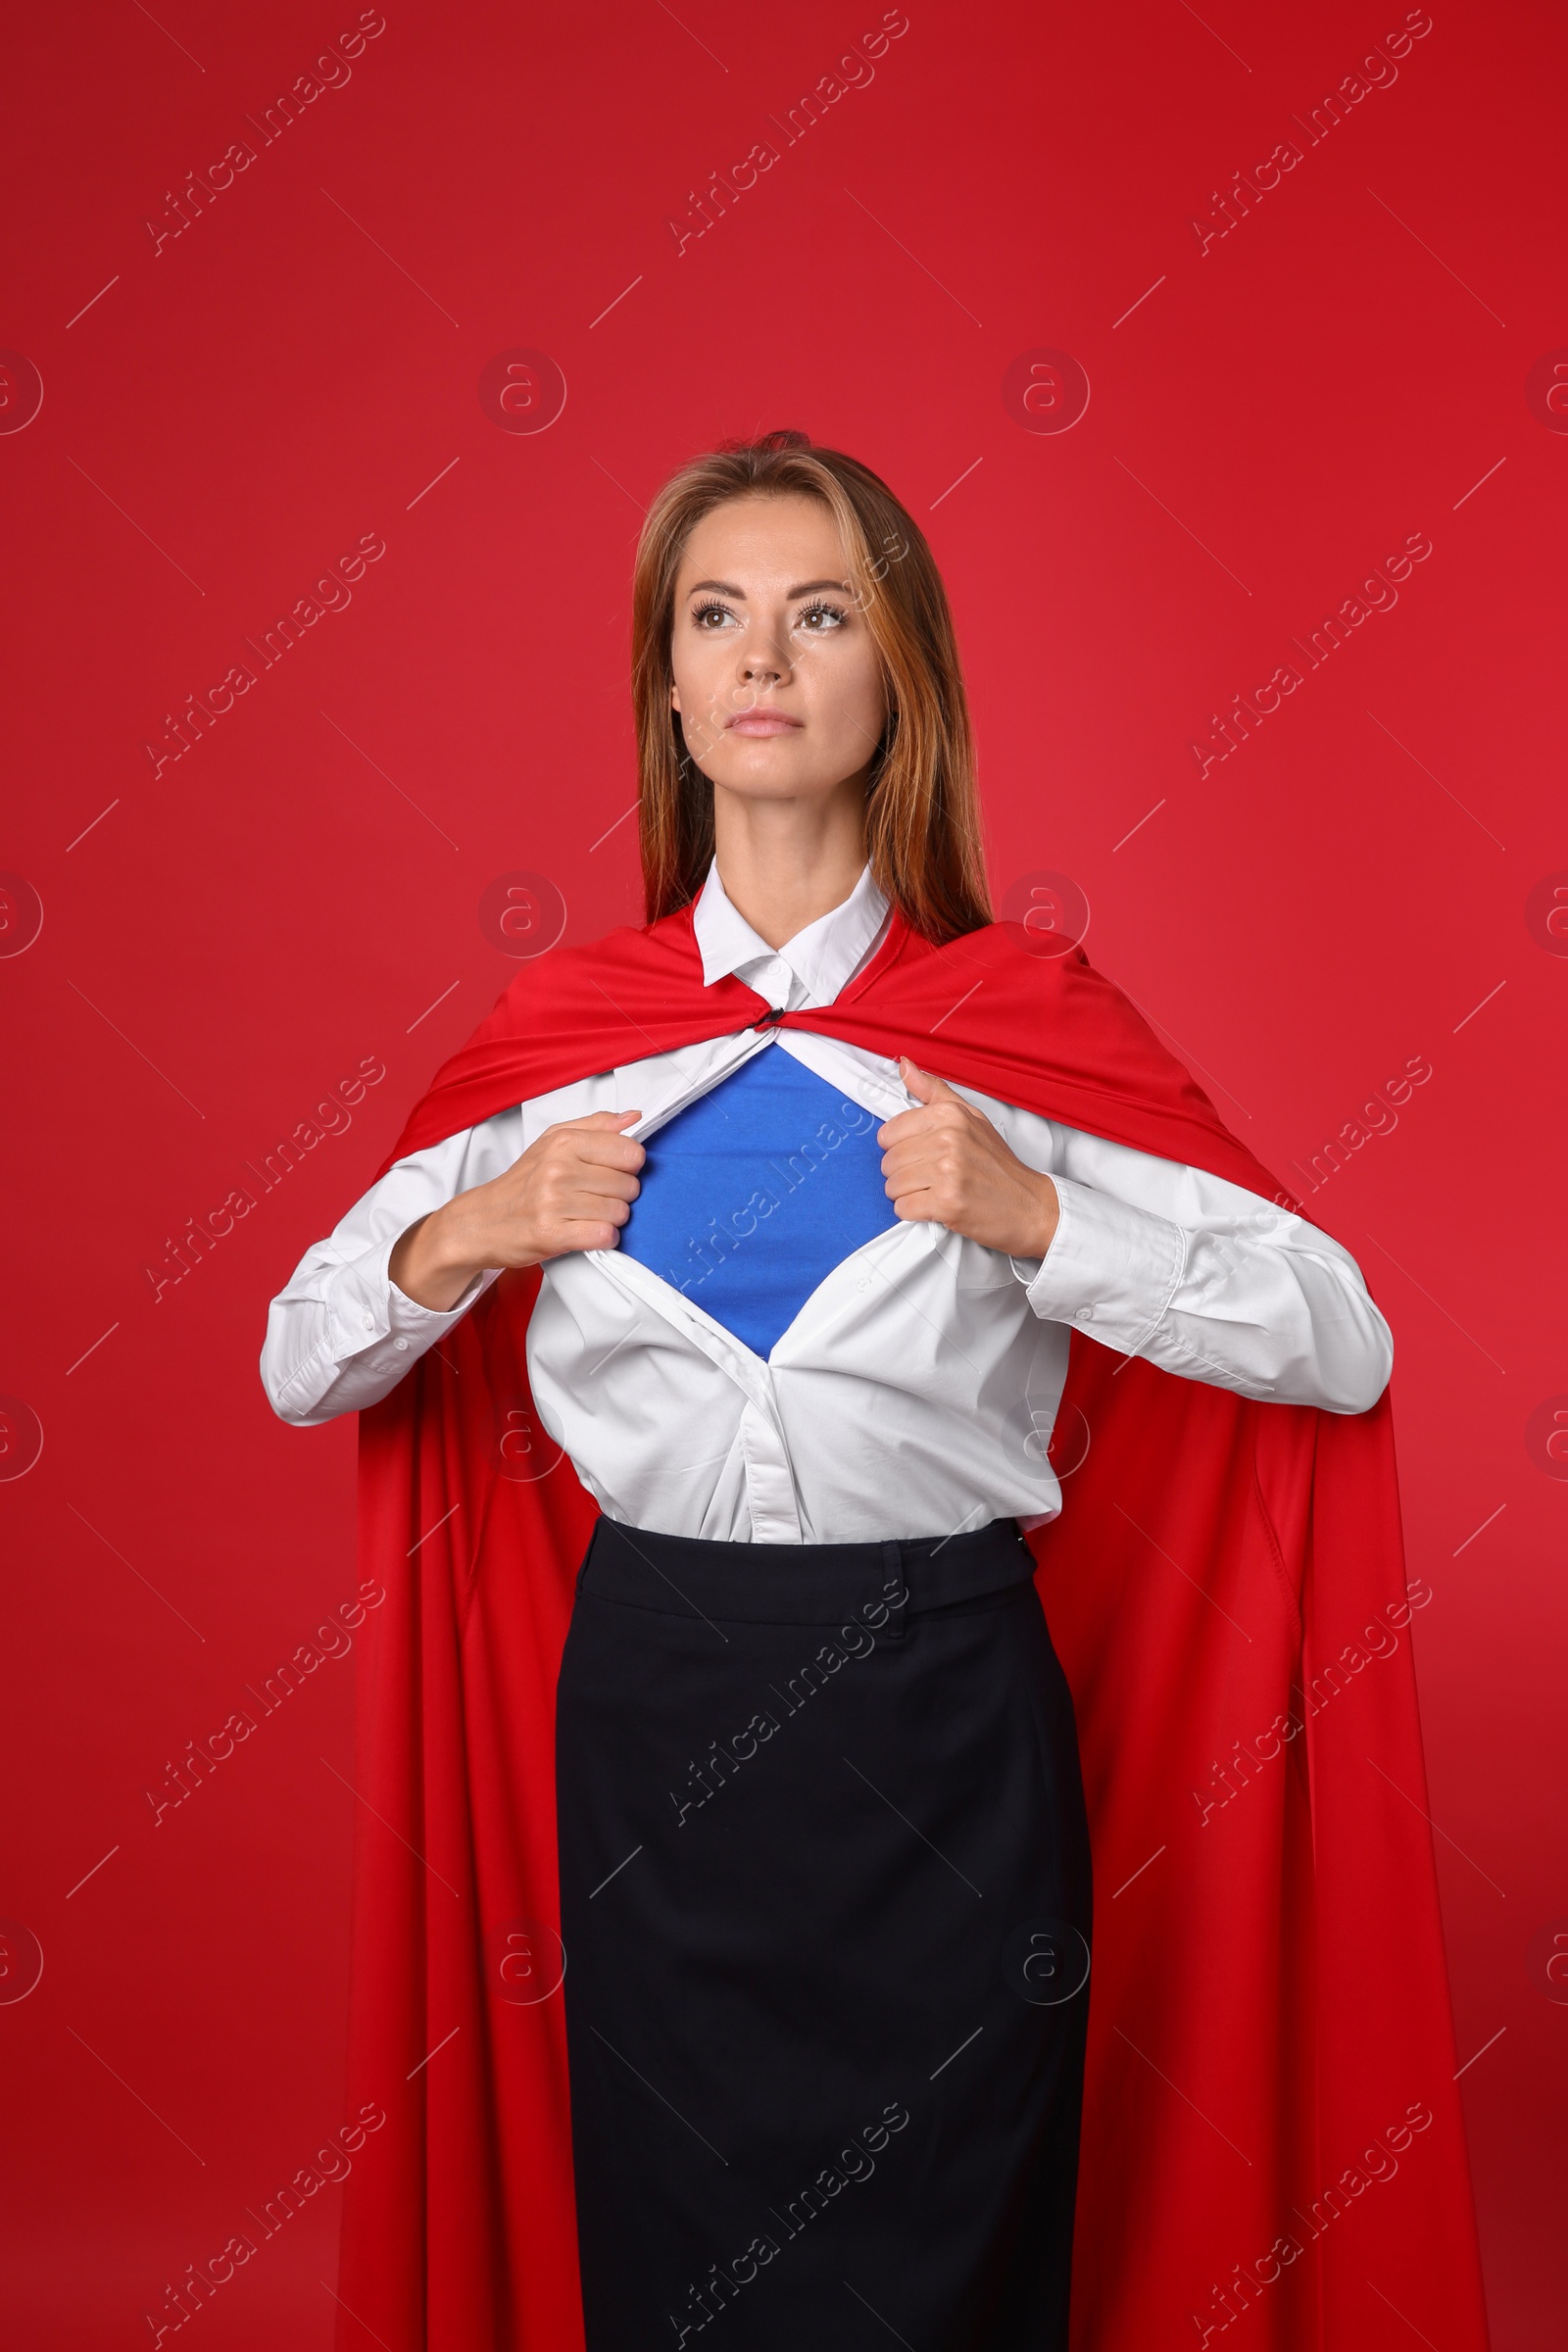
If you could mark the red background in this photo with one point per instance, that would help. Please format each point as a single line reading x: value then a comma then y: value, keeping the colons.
x: 227, y: 412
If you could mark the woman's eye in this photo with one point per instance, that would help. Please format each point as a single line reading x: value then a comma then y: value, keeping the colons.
x: 705, y: 614
x: 821, y: 620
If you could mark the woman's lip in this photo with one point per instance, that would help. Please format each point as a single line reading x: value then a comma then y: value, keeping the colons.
x: 758, y: 721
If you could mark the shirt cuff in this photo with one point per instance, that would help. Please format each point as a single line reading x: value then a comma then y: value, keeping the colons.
x: 1111, y: 1269
x: 367, y: 1307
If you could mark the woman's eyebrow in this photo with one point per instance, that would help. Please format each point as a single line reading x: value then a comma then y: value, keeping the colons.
x: 806, y: 588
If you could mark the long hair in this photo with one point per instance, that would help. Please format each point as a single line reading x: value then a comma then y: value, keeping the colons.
x: 922, y: 813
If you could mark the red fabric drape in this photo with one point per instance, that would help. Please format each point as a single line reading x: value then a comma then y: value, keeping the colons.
x: 1273, y: 2142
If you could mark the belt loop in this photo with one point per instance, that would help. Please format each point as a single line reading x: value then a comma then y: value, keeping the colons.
x: 894, y: 1581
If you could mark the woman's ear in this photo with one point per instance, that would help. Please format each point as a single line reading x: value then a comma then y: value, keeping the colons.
x: 674, y: 696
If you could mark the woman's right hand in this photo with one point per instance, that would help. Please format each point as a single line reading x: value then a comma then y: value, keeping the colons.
x: 572, y: 1190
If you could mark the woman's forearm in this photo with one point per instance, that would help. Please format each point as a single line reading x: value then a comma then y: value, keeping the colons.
x: 437, y: 1258
x: 572, y: 1188
x: 340, y: 1334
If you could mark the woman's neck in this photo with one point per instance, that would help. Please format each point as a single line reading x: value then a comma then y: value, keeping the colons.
x: 784, y: 864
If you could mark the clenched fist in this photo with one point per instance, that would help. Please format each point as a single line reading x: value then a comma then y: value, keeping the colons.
x: 946, y: 1163
x: 571, y: 1190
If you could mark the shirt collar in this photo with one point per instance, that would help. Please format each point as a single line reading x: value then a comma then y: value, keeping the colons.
x: 811, y: 967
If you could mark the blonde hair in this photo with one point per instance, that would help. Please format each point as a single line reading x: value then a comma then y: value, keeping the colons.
x: 922, y: 813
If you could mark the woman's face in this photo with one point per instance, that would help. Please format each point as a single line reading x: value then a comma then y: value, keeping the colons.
x: 778, y: 680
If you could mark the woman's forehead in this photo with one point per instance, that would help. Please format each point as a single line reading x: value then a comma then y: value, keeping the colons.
x: 766, y: 537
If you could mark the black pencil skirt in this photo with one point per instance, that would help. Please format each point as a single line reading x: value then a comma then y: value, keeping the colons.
x: 825, y: 1902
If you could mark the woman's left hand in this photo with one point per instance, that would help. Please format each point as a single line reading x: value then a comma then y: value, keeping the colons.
x: 946, y: 1163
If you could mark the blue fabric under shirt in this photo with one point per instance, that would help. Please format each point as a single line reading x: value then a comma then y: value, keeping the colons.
x: 752, y: 1194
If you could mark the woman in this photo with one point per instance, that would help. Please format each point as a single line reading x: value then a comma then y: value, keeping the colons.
x: 802, y: 1329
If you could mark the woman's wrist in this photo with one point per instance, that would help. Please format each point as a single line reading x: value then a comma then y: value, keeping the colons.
x: 437, y: 1259
x: 1048, y: 1219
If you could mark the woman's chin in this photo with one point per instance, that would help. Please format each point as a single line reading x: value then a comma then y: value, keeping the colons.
x: 773, y: 771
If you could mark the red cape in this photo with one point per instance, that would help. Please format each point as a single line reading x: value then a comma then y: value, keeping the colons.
x: 1272, y: 2138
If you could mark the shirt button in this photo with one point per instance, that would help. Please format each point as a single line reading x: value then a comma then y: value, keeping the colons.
x: 864, y: 1283
x: 400, y: 1345
x: 1086, y: 1315
x: 370, y: 1322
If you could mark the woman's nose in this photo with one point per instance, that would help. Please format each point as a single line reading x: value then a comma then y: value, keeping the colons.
x: 762, y: 660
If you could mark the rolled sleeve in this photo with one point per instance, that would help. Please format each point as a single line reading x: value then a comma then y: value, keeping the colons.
x: 341, y: 1333
x: 377, y: 1326
x: 364, y: 1306
x: 1111, y: 1269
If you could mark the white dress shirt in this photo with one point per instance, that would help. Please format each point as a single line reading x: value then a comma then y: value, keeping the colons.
x: 915, y: 1390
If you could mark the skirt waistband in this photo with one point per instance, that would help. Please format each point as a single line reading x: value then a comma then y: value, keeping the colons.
x: 802, y: 1583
